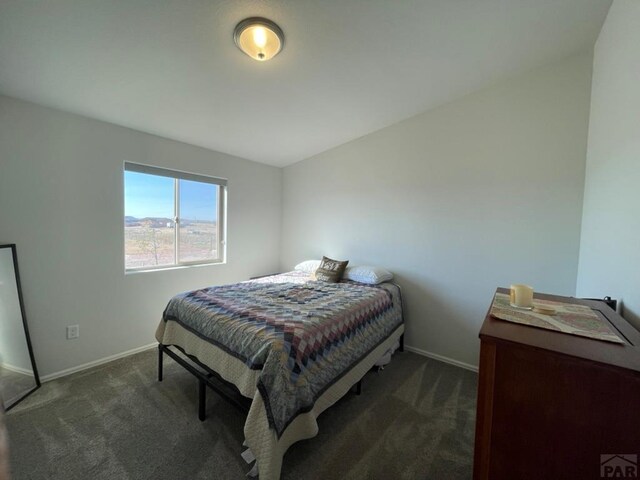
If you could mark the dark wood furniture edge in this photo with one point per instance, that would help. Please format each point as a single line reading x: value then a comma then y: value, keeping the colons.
x: 622, y: 356
x: 615, y: 366
x: 484, y: 412
x: 497, y: 342
x: 623, y: 326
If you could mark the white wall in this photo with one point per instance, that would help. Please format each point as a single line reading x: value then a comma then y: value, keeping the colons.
x: 61, y: 202
x: 481, y: 192
x: 610, y: 244
x: 478, y: 193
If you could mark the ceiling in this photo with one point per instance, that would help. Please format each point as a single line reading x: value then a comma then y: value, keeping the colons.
x: 348, y: 67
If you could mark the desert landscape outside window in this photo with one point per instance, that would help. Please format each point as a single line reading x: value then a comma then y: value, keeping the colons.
x: 172, y: 218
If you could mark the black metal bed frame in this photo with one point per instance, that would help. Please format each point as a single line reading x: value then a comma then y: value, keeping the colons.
x: 209, y: 378
x: 206, y: 378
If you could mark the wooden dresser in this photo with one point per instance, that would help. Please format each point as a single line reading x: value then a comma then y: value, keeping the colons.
x: 550, y: 404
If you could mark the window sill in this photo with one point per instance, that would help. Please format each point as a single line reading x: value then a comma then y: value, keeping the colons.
x: 173, y: 267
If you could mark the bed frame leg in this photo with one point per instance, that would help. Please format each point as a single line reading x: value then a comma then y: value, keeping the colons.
x: 359, y: 387
x: 160, y: 358
x: 202, y: 399
x: 401, y: 343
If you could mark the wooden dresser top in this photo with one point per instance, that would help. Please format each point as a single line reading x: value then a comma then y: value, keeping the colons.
x: 625, y: 356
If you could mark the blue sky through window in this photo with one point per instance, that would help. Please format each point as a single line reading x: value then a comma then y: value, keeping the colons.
x: 153, y: 196
x: 198, y: 201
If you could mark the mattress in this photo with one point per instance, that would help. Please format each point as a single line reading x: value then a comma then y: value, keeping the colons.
x: 293, y: 346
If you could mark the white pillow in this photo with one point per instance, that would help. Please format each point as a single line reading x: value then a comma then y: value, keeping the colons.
x: 367, y: 274
x: 308, y: 266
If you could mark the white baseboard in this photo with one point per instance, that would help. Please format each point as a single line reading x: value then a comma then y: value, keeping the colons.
x: 435, y: 356
x: 101, y: 361
x: 95, y: 363
x: 13, y: 368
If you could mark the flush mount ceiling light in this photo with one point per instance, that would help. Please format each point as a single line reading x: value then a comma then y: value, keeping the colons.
x: 259, y: 38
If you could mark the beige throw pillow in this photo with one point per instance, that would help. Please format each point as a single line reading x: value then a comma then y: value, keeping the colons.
x: 330, y: 271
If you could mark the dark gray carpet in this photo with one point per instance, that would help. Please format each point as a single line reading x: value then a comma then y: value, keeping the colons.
x: 414, y: 420
x: 14, y: 385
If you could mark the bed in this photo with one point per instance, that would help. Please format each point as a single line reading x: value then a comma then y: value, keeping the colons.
x: 290, y: 346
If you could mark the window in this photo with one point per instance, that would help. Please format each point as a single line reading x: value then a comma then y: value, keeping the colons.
x: 172, y: 218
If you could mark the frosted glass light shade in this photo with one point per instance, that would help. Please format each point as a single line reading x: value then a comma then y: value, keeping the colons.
x: 259, y: 38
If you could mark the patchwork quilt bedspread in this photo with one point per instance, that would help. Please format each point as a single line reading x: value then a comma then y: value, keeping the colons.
x: 301, y: 335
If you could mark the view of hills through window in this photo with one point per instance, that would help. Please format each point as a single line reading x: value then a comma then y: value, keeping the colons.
x: 152, y: 236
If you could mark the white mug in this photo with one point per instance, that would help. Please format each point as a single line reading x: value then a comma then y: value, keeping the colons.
x: 521, y: 296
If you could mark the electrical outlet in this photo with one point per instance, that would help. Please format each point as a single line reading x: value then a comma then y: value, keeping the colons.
x: 73, y: 331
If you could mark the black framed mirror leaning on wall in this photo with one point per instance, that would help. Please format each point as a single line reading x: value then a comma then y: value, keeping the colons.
x: 18, y: 372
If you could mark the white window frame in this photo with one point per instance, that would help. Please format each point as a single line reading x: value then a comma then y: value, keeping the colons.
x: 221, y: 234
